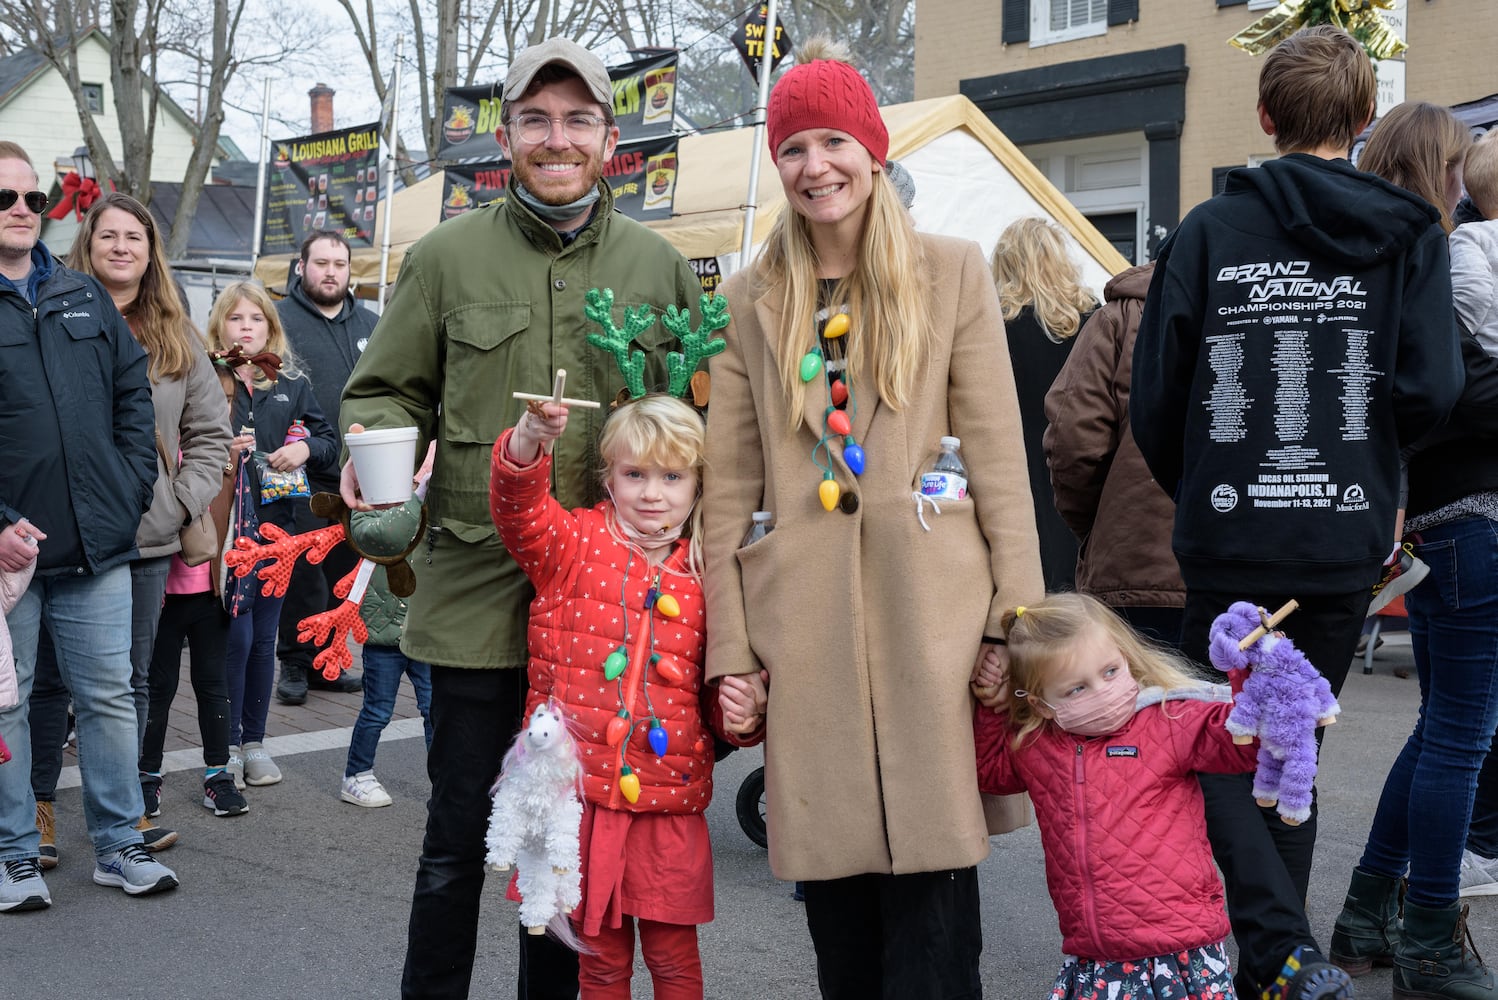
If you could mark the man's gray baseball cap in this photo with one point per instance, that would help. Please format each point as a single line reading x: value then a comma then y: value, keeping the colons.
x: 528, y: 63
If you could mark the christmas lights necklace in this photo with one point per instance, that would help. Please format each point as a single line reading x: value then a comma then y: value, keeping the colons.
x: 616, y: 666
x: 829, y: 358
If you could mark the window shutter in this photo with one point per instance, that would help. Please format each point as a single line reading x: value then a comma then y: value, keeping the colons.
x: 1220, y: 178
x: 1123, y: 11
x: 1231, y: 3
x: 1016, y: 26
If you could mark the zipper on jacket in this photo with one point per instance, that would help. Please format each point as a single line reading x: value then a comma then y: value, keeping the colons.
x: 1089, y: 896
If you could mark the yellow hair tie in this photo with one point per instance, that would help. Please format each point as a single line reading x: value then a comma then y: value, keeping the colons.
x: 1019, y: 612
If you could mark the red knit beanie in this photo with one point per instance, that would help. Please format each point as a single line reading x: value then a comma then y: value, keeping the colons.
x: 826, y: 93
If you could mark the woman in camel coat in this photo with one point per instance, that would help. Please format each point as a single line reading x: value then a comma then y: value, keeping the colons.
x: 867, y: 623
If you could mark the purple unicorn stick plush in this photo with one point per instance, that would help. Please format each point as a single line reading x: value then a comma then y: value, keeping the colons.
x: 1283, y: 701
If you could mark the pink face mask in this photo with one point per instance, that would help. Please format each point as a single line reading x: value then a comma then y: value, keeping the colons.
x: 1100, y: 711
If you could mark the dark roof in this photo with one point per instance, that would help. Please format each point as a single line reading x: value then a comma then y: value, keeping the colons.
x: 17, y: 69
x: 223, y: 224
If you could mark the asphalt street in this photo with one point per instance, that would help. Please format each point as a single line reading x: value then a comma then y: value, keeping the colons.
x: 307, y: 897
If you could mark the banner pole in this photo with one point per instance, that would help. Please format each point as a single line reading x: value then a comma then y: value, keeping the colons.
x: 260, y: 178
x: 395, y: 110
x: 766, y: 64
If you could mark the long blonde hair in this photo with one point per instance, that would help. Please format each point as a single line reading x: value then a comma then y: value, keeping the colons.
x: 275, y: 339
x: 1031, y: 267
x: 1041, y: 636
x: 1416, y: 145
x: 156, y: 315
x: 886, y: 294
x: 664, y: 431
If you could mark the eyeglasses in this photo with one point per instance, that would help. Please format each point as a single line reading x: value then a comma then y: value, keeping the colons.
x: 35, y: 200
x: 577, y: 128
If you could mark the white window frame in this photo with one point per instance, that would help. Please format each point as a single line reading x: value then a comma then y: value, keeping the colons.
x: 1040, y: 25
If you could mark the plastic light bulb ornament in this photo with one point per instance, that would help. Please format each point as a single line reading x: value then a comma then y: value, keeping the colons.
x: 838, y: 422
x: 615, y: 664
x: 811, y: 365
x: 829, y: 492
x: 657, y: 738
x: 837, y: 326
x: 853, y: 455
x: 839, y: 392
x: 629, y: 784
x: 618, y: 728
x: 669, y: 669
x: 666, y: 605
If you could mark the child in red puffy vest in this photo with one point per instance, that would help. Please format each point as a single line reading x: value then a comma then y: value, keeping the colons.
x: 1107, y: 735
x: 617, y: 632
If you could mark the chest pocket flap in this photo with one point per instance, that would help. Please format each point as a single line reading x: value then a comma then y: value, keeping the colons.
x: 486, y: 360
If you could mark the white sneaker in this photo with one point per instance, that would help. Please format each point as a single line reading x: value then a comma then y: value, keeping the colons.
x: 22, y: 886
x: 259, y: 769
x: 235, y: 767
x: 133, y: 869
x: 1479, y: 875
x: 364, y: 789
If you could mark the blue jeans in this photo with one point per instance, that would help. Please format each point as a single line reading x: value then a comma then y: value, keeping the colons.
x: 250, y: 666
x: 89, y: 620
x: 1454, y: 634
x: 383, y: 667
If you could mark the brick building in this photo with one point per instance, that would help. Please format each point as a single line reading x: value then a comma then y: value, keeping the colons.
x: 1135, y: 108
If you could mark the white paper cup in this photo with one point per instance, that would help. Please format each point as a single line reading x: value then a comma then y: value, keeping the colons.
x: 384, y: 460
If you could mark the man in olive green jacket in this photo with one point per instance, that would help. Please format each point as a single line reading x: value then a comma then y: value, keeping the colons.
x: 489, y: 303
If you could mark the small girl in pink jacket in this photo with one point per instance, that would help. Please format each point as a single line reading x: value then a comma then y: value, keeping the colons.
x: 13, y: 584
x: 1107, y: 735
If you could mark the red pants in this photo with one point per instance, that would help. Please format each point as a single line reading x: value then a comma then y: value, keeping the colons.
x: 670, y: 954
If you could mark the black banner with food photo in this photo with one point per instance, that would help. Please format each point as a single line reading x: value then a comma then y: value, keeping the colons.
x: 330, y: 180
x: 642, y: 175
x: 644, y: 105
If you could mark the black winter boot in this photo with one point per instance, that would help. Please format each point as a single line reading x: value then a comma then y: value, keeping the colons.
x: 291, y: 689
x: 1367, y: 929
x: 1435, y: 960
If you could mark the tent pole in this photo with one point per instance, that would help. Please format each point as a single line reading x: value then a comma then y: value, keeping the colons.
x: 260, y: 178
x: 391, y: 133
x: 767, y: 62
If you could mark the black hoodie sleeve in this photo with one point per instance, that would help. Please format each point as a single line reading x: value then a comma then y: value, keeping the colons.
x: 1429, y: 374
x: 1165, y: 355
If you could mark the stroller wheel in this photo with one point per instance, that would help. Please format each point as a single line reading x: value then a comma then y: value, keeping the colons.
x: 750, y: 807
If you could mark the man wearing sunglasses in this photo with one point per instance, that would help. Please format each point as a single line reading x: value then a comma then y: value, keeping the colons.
x: 489, y: 303
x: 72, y: 377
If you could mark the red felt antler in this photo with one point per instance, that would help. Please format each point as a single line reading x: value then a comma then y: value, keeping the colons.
x: 333, y: 628
x: 281, y: 551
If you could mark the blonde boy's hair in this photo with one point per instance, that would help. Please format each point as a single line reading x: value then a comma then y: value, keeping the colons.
x: 1318, y: 88
x: 660, y: 430
x: 1482, y: 175
x: 1047, y: 631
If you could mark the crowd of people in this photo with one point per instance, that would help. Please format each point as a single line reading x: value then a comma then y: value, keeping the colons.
x: 1293, y: 401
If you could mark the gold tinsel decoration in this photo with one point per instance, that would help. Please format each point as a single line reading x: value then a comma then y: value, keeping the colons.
x: 1361, y: 18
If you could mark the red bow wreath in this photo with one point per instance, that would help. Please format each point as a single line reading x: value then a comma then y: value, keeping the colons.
x: 78, y: 193
x: 235, y: 357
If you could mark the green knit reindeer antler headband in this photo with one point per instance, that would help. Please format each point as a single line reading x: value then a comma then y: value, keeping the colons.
x: 695, y: 344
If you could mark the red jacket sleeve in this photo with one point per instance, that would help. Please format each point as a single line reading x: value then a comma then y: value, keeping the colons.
x: 1205, y: 744
x: 995, y: 744
x: 540, y: 534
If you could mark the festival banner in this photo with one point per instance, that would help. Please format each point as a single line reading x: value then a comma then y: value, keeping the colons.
x: 326, y: 181
x: 749, y: 39
x: 644, y: 105
x: 708, y: 272
x: 642, y: 175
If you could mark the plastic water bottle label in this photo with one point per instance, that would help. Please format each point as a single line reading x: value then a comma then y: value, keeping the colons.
x: 943, y: 486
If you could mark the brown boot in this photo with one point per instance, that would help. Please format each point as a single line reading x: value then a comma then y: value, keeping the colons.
x: 155, y: 838
x: 46, y: 825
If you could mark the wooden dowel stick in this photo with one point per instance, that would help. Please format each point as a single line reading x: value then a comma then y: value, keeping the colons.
x: 590, y: 404
x: 1269, y: 624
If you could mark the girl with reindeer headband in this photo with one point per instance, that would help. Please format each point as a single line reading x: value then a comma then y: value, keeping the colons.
x: 617, y: 632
